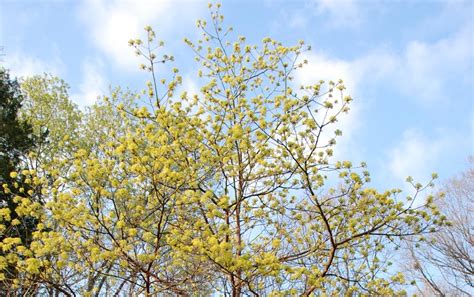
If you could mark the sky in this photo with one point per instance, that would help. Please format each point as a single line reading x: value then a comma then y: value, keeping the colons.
x: 407, y: 64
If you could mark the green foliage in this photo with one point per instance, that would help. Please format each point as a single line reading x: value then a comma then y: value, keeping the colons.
x: 16, y: 135
x: 16, y: 140
x: 53, y: 118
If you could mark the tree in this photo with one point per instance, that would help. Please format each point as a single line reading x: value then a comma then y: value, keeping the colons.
x: 16, y: 135
x: 58, y: 122
x: 65, y: 130
x: 16, y: 140
x: 54, y: 118
x: 444, y: 262
x: 232, y: 190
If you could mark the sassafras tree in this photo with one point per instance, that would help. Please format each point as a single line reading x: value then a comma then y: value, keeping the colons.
x: 233, y: 190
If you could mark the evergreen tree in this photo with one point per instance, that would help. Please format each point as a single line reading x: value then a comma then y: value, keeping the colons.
x: 16, y: 140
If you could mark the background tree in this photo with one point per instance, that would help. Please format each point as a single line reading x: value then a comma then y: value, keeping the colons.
x: 68, y: 130
x: 57, y: 121
x: 16, y: 135
x: 53, y: 117
x: 16, y: 141
x: 443, y: 264
x: 112, y: 119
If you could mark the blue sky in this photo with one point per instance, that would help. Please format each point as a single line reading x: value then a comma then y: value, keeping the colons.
x: 408, y: 64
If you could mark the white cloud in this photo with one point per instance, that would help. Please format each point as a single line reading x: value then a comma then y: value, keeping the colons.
x: 326, y: 68
x: 424, y: 68
x: 93, y: 83
x: 334, y: 13
x: 22, y: 65
x: 190, y: 86
x: 294, y: 19
x: 417, y: 156
x: 321, y: 67
x: 339, y: 12
x: 422, y: 71
x: 111, y: 24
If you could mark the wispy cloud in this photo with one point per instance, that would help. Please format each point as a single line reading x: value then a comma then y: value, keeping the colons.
x: 338, y: 12
x: 23, y: 65
x: 417, y: 156
x: 93, y: 82
x: 322, y: 67
x: 333, y: 14
x: 422, y: 73
x: 111, y: 24
x: 422, y: 70
x: 426, y: 71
